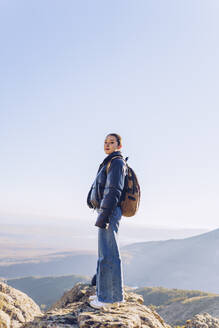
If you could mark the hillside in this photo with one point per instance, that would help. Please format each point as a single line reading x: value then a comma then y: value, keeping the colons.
x: 182, y: 263
x: 177, y: 306
x: 46, y: 290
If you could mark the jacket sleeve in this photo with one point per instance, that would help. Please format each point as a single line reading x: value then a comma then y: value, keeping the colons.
x: 89, y: 204
x: 112, y: 191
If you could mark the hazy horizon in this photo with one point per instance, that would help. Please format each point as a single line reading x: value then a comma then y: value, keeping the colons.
x: 46, y: 236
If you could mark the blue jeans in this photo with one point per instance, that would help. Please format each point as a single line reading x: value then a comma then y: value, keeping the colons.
x: 109, y: 282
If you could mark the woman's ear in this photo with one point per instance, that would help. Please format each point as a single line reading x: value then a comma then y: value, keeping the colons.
x: 119, y: 147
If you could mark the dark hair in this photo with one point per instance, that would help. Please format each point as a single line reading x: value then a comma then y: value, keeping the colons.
x: 117, y: 136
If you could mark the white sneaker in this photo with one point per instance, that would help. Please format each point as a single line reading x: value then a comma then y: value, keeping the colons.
x: 98, y: 305
x: 92, y: 297
x: 123, y: 301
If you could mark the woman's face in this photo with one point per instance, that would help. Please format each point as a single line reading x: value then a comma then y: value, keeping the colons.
x: 111, y: 145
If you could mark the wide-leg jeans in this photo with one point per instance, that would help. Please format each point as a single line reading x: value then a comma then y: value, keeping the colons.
x: 109, y: 281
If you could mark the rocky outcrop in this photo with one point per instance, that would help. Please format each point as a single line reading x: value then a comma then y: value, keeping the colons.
x: 204, y: 320
x: 16, y: 308
x: 73, y: 310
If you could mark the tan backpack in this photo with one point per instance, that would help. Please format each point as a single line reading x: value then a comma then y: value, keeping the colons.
x: 131, y: 194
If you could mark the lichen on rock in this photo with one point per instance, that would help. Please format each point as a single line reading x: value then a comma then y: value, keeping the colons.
x: 203, y: 320
x: 16, y: 307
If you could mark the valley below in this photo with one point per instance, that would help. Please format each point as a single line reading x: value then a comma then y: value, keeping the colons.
x: 169, y: 274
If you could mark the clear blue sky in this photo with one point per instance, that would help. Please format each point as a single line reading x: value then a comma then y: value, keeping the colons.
x: 73, y: 71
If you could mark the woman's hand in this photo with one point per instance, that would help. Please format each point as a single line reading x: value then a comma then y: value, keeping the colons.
x: 102, y: 222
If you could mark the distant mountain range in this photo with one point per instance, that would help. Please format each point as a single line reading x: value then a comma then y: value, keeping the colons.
x: 34, y: 237
x: 190, y: 263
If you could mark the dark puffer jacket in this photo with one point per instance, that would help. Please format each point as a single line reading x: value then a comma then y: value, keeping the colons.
x: 106, y: 191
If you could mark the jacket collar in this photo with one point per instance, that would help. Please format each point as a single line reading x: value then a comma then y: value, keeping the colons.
x: 109, y: 157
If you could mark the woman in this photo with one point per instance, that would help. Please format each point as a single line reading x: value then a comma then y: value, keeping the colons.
x: 105, y: 196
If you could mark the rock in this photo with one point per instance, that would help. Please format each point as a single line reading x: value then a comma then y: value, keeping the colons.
x: 73, y: 310
x: 4, y: 319
x: 16, y: 307
x: 203, y: 320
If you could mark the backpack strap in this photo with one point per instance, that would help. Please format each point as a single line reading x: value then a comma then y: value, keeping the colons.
x: 109, y: 163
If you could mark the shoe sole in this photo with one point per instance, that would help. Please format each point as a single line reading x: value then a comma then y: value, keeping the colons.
x: 106, y: 305
x: 100, y: 307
